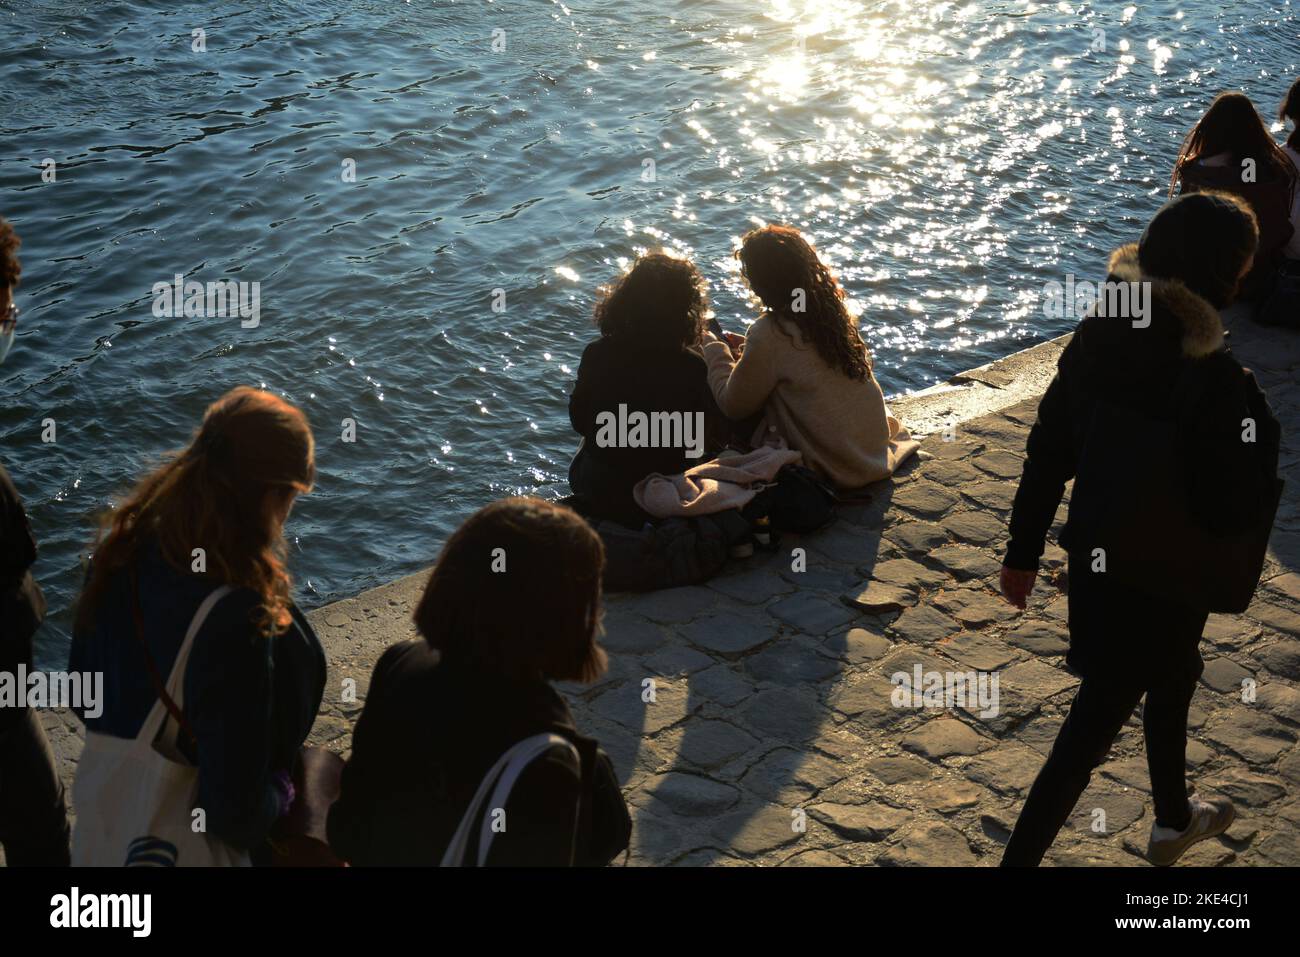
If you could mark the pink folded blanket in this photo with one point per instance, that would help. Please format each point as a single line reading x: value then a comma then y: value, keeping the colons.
x: 713, y: 486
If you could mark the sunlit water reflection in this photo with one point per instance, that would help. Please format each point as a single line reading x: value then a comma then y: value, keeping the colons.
x: 949, y: 158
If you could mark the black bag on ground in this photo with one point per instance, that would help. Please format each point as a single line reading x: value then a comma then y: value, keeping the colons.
x: 1281, y: 306
x: 1143, y: 494
x: 670, y: 552
x: 800, y: 502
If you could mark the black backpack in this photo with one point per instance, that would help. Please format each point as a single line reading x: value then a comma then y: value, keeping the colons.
x: 669, y: 552
x: 1144, y: 491
x: 1280, y: 306
x: 800, y: 502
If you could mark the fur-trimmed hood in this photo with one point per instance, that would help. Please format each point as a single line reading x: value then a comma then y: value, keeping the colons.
x: 1201, y: 324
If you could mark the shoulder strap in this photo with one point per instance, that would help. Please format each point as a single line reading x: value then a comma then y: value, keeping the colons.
x: 602, y: 836
x: 493, y: 792
x: 167, y: 694
x: 587, y: 751
x: 529, y: 750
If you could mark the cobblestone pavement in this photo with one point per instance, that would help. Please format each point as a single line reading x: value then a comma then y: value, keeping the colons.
x: 751, y: 719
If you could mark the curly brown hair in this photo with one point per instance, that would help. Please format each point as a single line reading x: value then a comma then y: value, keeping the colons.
x: 782, y: 269
x: 10, y: 269
x: 660, y: 301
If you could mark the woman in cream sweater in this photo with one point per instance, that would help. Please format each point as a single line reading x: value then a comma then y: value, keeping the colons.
x: 805, y: 367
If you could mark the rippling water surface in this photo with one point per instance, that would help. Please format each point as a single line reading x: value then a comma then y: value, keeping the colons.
x: 949, y: 158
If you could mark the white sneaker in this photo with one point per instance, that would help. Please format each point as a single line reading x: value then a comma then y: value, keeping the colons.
x: 1209, y: 818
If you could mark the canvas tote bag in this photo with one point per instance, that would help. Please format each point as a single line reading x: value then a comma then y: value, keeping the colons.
x: 494, y: 792
x: 134, y: 796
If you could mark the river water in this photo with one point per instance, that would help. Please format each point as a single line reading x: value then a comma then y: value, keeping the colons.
x: 382, y: 169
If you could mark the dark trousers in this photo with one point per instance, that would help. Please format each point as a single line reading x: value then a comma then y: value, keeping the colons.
x: 1097, y: 715
x: 34, y: 827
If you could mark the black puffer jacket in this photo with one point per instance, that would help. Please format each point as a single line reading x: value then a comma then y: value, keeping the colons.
x: 649, y: 380
x: 1114, y: 372
x: 1137, y: 369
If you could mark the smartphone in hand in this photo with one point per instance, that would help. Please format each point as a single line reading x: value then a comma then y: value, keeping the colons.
x: 715, y: 327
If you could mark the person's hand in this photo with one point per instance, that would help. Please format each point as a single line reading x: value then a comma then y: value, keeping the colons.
x: 1016, y: 585
x: 735, y: 341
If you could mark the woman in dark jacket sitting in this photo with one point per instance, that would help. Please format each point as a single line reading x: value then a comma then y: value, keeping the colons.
x: 213, y: 515
x: 513, y: 604
x: 647, y: 361
x: 1125, y: 642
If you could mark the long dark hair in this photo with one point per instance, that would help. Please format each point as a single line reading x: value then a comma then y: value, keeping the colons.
x: 660, y: 302
x: 782, y: 268
x: 1232, y: 125
x: 1290, y: 110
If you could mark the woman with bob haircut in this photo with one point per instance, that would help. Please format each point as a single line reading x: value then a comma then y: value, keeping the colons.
x: 647, y: 360
x: 512, y: 605
x: 804, y: 365
x: 212, y: 515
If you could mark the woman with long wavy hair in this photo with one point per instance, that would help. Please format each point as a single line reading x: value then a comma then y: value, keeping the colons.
x: 805, y: 367
x: 210, y: 516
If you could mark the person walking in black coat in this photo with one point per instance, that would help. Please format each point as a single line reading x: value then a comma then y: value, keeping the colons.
x: 34, y: 826
x: 1125, y: 641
